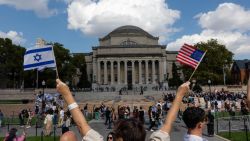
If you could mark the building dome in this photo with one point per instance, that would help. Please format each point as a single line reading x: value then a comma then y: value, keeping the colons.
x: 128, y: 30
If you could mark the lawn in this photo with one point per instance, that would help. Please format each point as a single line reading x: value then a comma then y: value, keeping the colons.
x: 15, y: 121
x: 38, y: 138
x: 14, y: 101
x: 235, y: 136
x: 225, y: 114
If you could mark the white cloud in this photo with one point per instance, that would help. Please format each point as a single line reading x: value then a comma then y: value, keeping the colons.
x: 227, y: 16
x: 236, y: 42
x: 228, y: 24
x: 94, y: 17
x: 17, y: 38
x: 40, y: 7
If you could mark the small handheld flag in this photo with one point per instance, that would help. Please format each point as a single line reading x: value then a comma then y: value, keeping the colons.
x: 39, y: 57
x: 191, y: 56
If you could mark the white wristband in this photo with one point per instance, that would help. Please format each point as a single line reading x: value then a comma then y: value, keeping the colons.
x: 72, y: 106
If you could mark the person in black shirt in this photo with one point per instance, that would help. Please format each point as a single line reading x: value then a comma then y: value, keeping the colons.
x: 210, y: 124
x: 141, y: 115
x: 108, y: 117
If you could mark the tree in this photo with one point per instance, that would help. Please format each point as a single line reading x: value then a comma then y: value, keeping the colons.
x: 211, y: 67
x: 11, y: 57
x: 78, y: 61
x: 12, y: 74
x: 175, y: 80
x: 197, y: 88
x: 64, y: 67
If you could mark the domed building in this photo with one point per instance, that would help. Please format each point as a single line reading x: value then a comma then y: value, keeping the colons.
x: 130, y: 58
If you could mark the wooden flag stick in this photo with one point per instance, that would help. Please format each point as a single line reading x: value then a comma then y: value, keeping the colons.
x: 197, y: 66
x: 57, y: 75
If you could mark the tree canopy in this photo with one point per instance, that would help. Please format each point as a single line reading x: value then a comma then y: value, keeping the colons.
x: 13, y: 76
x: 11, y: 68
x: 211, y: 67
x: 175, y: 81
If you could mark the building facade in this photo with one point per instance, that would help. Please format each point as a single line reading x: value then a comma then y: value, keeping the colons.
x: 130, y: 58
x: 240, y: 71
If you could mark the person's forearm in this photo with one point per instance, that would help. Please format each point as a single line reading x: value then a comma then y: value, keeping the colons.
x: 172, y: 113
x: 77, y: 115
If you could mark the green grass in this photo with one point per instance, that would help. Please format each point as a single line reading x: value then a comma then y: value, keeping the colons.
x: 235, y: 136
x: 38, y: 138
x: 17, y: 101
x: 15, y: 121
x: 225, y: 114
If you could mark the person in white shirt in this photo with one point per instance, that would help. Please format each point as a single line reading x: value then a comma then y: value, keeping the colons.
x: 127, y: 129
x: 61, y: 117
x: 195, y: 119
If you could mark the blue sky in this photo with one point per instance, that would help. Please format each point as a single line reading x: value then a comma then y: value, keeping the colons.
x: 78, y: 24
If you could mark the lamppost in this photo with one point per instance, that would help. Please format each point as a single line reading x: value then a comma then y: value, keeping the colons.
x: 43, y: 84
x: 224, y: 72
x: 43, y: 102
x: 193, y: 84
x: 209, y: 84
x: 224, y: 75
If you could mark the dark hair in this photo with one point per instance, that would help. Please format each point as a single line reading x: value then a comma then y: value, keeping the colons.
x: 130, y: 130
x: 192, y: 116
x: 112, y: 134
x: 12, y: 134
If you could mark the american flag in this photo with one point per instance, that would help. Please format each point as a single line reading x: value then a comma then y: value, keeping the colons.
x: 189, y: 55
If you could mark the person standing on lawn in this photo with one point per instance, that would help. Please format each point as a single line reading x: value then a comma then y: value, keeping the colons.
x: 1, y: 118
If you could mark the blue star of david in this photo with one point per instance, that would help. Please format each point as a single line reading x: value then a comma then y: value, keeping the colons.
x: 37, y: 57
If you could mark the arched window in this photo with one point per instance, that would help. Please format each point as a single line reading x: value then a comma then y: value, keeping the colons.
x: 128, y: 43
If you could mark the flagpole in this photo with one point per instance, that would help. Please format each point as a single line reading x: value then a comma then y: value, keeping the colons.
x: 36, y: 73
x: 37, y: 78
x: 197, y: 66
x: 57, y: 75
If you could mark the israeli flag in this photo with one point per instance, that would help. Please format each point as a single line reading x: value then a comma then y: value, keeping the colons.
x: 39, y: 57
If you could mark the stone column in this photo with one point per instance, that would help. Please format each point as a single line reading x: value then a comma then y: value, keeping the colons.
x: 118, y: 72
x: 125, y: 72
x: 140, y: 73
x: 160, y: 71
x: 164, y: 69
x: 94, y: 70
x: 146, y: 72
x: 153, y: 71
x: 99, y: 72
x: 133, y: 72
x: 105, y: 73
x: 112, y: 71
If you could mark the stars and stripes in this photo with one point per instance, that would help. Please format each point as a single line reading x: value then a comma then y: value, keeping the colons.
x: 189, y: 55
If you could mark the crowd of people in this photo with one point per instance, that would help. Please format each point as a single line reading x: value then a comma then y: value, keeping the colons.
x: 128, y: 123
x: 194, y: 115
x: 216, y: 101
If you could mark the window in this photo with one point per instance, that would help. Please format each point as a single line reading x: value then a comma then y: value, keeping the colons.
x: 128, y: 43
